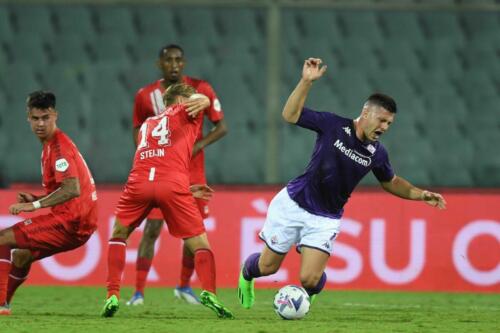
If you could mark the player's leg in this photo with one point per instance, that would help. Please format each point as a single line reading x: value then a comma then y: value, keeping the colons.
x: 21, y: 264
x: 315, y: 246
x: 185, y: 221
x: 279, y: 233
x: 312, y: 270
x: 256, y: 265
x: 183, y: 290
x: 145, y: 256
x: 204, y: 264
x: 117, y: 246
x: 7, y: 242
x: 134, y: 205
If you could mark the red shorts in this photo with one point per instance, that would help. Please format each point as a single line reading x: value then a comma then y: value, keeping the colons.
x: 173, y: 199
x: 46, y: 235
x: 156, y: 213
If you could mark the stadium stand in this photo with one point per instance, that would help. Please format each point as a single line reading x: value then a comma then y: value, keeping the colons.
x: 442, y: 67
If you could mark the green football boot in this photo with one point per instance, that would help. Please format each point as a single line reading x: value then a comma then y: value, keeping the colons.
x: 110, y: 307
x: 246, y: 292
x: 312, y: 299
x: 210, y: 300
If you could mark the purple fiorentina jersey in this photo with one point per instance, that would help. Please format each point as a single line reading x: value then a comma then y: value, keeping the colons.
x: 339, y: 161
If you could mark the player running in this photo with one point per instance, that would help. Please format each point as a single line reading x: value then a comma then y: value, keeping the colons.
x: 307, y: 211
x: 160, y: 178
x: 148, y: 103
x: 70, y: 192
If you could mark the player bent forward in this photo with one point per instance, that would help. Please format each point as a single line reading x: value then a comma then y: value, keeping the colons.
x: 307, y: 212
x: 70, y: 192
x: 160, y: 178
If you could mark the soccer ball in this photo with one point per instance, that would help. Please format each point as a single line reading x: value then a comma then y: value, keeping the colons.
x: 291, y: 302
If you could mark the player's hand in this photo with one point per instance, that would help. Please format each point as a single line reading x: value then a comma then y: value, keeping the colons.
x: 197, y: 104
x: 198, y: 146
x: 25, y: 197
x: 21, y: 207
x: 313, y: 69
x: 434, y: 199
x: 201, y: 191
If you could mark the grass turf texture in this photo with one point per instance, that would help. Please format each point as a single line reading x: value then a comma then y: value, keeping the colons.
x: 77, y: 309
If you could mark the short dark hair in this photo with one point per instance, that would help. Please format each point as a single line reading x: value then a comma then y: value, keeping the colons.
x: 168, y: 47
x: 385, y: 101
x: 41, y: 99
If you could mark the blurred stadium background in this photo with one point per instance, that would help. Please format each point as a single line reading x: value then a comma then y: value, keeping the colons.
x: 439, y: 59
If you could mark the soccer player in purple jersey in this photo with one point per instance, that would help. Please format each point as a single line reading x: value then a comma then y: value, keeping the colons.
x: 307, y: 211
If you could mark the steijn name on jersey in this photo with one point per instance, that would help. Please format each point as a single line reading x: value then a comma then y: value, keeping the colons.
x: 352, y: 154
x: 152, y: 153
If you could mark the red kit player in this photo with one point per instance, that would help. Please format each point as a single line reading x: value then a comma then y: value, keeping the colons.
x: 160, y: 178
x: 70, y: 192
x: 148, y: 103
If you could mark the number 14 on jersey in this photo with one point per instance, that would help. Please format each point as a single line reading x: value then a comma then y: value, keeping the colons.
x: 160, y: 133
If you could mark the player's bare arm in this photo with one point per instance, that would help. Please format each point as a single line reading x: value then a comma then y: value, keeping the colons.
x: 70, y: 188
x: 196, y: 103
x: 311, y: 71
x: 402, y: 188
x: 217, y: 132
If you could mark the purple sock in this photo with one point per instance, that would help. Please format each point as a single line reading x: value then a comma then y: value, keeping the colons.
x: 251, y: 267
x: 319, y: 286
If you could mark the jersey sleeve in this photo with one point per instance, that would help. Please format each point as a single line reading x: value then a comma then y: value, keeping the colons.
x: 383, y: 171
x: 214, y: 112
x: 64, y: 163
x: 316, y: 121
x: 139, y: 113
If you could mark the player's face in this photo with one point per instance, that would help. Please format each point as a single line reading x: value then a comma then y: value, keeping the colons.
x: 377, y: 121
x: 43, y: 122
x: 171, y: 64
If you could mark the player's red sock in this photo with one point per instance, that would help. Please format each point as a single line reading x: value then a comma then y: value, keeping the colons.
x: 204, y: 264
x: 116, y: 265
x: 4, y: 272
x: 186, y: 270
x: 17, y: 277
x: 142, y: 267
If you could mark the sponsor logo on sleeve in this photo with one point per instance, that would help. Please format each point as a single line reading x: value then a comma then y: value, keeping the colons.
x: 217, y: 106
x: 62, y: 165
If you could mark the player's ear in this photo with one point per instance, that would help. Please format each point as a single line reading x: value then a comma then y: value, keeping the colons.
x: 365, y: 112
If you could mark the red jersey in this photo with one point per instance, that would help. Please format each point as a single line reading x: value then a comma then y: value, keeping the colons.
x: 165, y: 145
x: 149, y: 102
x: 61, y: 160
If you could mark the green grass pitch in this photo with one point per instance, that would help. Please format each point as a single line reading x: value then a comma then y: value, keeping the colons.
x: 76, y: 309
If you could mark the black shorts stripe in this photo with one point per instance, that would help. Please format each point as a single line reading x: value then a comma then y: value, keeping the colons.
x: 270, y: 248
x: 311, y: 247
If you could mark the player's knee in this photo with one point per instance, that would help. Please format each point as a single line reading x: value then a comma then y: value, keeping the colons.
x: 197, y: 243
x: 310, y: 279
x: 22, y: 258
x: 7, y: 237
x: 152, y: 230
